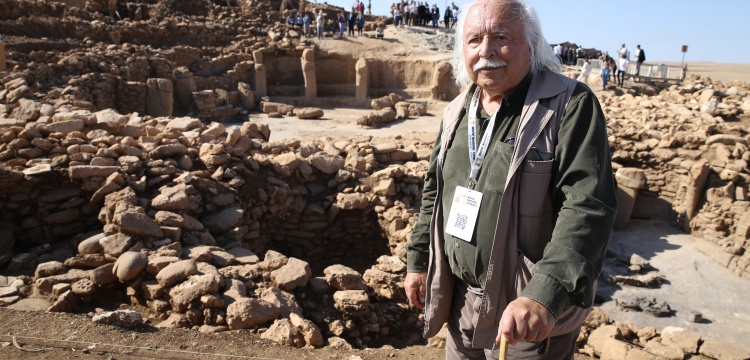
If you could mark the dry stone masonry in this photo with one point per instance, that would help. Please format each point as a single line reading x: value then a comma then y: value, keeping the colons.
x: 123, y: 178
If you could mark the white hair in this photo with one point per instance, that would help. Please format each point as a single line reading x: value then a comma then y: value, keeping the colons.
x: 541, y: 54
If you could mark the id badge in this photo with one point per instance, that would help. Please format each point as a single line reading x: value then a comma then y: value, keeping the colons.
x: 464, y: 212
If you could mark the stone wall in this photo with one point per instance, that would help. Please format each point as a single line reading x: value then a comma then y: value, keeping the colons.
x: 693, y: 154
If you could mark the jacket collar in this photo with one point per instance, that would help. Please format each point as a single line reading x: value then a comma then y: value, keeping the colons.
x: 544, y: 84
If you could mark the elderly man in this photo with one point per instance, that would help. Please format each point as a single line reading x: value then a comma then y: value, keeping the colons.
x: 510, y: 243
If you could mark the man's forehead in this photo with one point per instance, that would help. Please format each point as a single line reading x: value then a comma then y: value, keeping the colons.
x: 492, y: 18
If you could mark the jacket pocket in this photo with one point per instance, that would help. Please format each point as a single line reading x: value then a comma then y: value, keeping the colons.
x: 535, y: 208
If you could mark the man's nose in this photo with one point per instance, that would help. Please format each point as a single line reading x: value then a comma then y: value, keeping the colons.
x: 485, y: 47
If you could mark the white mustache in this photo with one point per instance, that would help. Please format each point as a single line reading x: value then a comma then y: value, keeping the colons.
x: 488, y: 63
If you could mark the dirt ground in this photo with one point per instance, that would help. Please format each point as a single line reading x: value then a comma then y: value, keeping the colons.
x: 694, y: 282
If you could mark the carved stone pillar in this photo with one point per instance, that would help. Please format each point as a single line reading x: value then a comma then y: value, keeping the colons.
x: 260, y: 74
x: 363, y: 79
x: 184, y: 87
x: 3, y: 66
x: 160, y: 98
x: 308, y: 71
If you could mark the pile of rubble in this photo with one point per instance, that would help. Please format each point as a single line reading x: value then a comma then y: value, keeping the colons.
x: 183, y: 208
x: 681, y: 153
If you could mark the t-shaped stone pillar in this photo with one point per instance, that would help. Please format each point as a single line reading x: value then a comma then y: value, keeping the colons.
x: 184, y: 87
x: 308, y: 71
x: 159, y: 99
x: 260, y: 74
x: 3, y: 67
x: 363, y: 79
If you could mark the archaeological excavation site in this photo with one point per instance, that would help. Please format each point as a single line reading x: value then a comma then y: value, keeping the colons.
x: 136, y: 189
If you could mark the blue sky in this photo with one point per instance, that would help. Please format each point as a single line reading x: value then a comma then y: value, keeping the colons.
x: 717, y: 31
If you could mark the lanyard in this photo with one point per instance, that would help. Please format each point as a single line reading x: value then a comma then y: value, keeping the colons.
x: 476, y: 157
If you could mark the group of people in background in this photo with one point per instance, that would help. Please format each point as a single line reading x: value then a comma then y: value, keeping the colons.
x: 569, y: 55
x: 343, y: 22
x: 411, y: 13
x: 617, y: 68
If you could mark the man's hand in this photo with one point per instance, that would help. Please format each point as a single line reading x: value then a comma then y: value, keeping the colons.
x: 415, y: 285
x: 525, y: 320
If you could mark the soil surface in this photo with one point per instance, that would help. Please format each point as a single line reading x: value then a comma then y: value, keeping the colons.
x: 693, y: 281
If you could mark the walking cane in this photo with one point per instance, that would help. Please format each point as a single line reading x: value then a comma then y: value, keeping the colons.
x: 503, y: 348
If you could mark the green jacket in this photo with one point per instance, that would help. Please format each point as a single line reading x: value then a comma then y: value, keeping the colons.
x: 555, y: 217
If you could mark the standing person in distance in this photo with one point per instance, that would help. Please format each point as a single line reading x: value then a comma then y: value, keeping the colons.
x: 606, y: 65
x: 585, y: 72
x: 320, y: 22
x: 640, y: 57
x: 510, y: 243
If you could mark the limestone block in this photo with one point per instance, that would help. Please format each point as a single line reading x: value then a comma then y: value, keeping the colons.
x: 66, y: 127
x: 614, y: 349
x: 244, y: 256
x: 309, y: 113
x: 119, y: 317
x: 271, y: 107
x: 599, y: 337
x: 183, y: 124
x: 233, y: 290
x: 310, y: 332
x: 696, y: 180
x: 248, y: 312
x: 688, y: 341
x: 176, y: 272
x: 743, y: 227
x: 352, y: 201
x: 116, y: 244
x: 78, y: 172
x: 192, y: 289
x: 631, y: 177
x: 223, y: 220
x: 669, y: 352
x: 283, y: 332
x: 91, y: 244
x: 387, y: 285
x: 723, y: 350
x: 185, y: 222
x: 293, y: 275
x: 402, y: 110
x: 342, y: 277
x: 137, y: 223
x: 156, y: 263
x: 351, y: 302
x: 326, y: 163
x: 174, y: 198
x: 129, y: 265
x: 381, y: 103
x: 168, y: 151
x: 49, y: 268
x: 283, y: 300
x: 103, y: 275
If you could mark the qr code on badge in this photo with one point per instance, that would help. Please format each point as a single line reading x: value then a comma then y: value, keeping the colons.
x: 461, y: 220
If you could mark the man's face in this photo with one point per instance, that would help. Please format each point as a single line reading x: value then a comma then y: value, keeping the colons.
x: 491, y: 35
